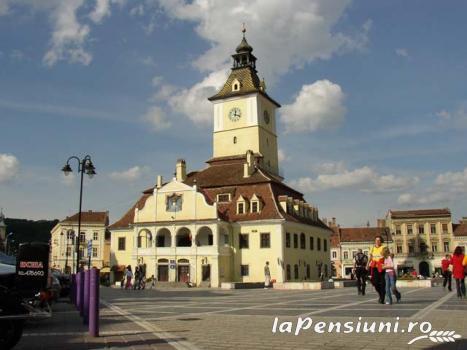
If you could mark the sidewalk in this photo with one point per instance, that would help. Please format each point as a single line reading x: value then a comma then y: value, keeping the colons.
x: 65, y: 330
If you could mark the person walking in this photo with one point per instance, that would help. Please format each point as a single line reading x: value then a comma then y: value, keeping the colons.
x: 376, y: 268
x: 360, y: 271
x: 447, y: 275
x: 153, y: 282
x: 458, y: 271
x: 129, y: 276
x: 267, y: 275
x: 394, y: 288
x: 136, y: 284
x: 388, y: 266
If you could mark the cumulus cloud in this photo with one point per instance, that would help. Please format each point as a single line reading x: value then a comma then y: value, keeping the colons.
x: 279, y: 45
x: 9, y: 166
x: 364, y: 178
x: 69, y: 34
x: 317, y: 106
x: 282, y: 156
x: 446, y: 187
x: 312, y: 35
x: 156, y: 117
x: 131, y: 174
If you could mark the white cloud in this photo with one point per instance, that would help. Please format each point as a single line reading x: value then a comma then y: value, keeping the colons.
x: 192, y: 102
x: 130, y: 174
x: 69, y: 36
x: 402, y: 52
x: 365, y: 179
x: 9, y: 166
x: 317, y: 106
x: 330, y: 168
x: 280, y: 44
x: 101, y: 10
x: 446, y: 187
x: 282, y: 156
x: 156, y: 117
x: 156, y: 81
x: 454, y: 119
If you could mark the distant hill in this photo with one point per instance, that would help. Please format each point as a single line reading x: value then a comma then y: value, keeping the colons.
x: 29, y: 230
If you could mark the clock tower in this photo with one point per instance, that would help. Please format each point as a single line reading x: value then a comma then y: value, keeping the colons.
x: 244, y: 114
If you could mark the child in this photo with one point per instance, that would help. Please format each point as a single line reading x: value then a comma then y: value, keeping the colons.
x: 388, y: 266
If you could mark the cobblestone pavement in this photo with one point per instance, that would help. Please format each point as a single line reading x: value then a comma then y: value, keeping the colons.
x: 244, y: 319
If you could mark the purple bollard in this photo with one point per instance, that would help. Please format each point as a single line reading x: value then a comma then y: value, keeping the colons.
x: 73, y: 289
x: 78, y: 291
x: 81, y: 293
x: 94, y: 303
x: 86, y: 297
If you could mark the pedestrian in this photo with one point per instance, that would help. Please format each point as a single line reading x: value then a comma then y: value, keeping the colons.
x: 376, y: 268
x: 137, y: 278
x: 267, y: 275
x: 129, y: 276
x: 394, y: 288
x: 458, y: 272
x: 153, y: 282
x: 447, y: 274
x: 359, y: 268
x: 388, y: 266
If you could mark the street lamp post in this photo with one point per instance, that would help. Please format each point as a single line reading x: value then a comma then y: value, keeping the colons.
x: 8, y: 243
x: 84, y: 166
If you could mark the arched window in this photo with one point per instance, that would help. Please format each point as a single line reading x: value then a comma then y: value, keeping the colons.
x: 144, y: 239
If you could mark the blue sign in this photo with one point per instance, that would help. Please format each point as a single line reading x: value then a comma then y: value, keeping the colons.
x: 90, y: 247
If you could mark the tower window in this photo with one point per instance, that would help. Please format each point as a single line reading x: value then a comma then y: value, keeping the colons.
x: 235, y: 139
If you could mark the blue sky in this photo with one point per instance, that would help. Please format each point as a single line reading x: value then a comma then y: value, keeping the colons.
x: 374, y: 102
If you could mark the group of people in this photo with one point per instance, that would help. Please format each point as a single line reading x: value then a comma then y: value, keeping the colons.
x: 136, y: 280
x: 380, y: 266
x: 458, y: 263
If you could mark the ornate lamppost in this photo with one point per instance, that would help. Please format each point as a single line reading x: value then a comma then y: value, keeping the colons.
x: 84, y: 166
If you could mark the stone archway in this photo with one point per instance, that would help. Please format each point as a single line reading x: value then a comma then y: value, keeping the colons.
x: 204, y: 237
x: 163, y: 238
x: 183, y: 237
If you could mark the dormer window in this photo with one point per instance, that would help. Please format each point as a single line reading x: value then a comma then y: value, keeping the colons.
x: 223, y: 198
x: 235, y: 85
x: 242, y: 205
x: 255, y: 204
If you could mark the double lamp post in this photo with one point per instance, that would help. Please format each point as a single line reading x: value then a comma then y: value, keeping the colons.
x: 84, y: 166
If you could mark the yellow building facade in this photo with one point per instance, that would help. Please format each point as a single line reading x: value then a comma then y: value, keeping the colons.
x: 64, y: 237
x: 224, y: 222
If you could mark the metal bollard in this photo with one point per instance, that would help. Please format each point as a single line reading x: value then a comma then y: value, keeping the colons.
x: 81, y: 293
x: 94, y: 303
x: 73, y: 289
x: 86, y: 297
x: 78, y: 291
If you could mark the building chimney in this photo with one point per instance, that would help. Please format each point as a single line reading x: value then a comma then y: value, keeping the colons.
x: 159, y: 181
x: 181, y: 170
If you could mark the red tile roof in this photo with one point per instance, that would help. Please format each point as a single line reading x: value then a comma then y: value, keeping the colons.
x: 419, y: 213
x: 225, y: 175
x: 99, y: 217
x: 459, y: 229
x: 363, y: 234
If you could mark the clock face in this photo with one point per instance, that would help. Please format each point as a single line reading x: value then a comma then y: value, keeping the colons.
x: 266, y: 117
x: 235, y: 114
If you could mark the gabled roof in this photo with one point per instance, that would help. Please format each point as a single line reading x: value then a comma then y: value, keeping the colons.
x: 459, y: 230
x: 419, y: 213
x: 89, y: 217
x: 363, y: 234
